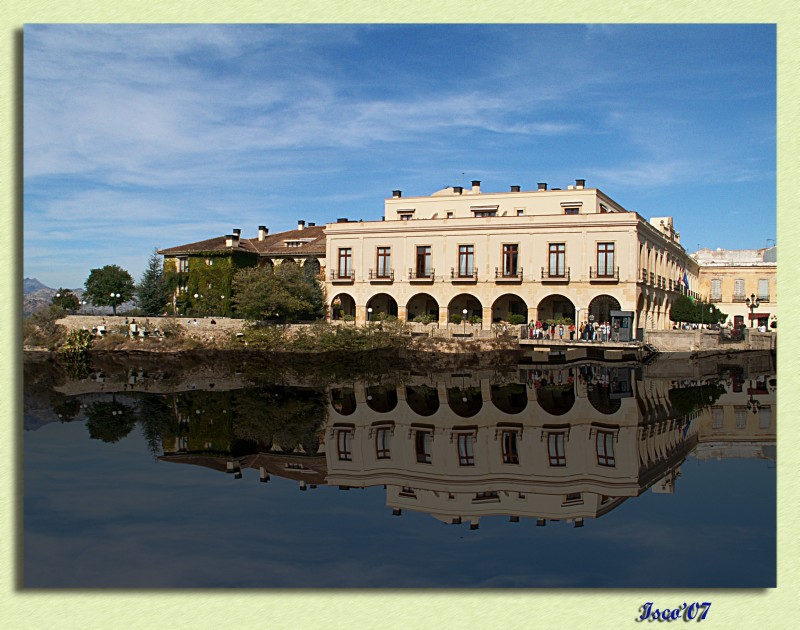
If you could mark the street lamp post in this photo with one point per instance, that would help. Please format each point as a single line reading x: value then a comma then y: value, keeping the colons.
x: 752, y: 303
x: 464, y: 313
x: 114, y: 298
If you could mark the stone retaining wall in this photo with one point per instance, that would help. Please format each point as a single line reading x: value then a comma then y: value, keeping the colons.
x: 202, y: 329
x: 701, y: 340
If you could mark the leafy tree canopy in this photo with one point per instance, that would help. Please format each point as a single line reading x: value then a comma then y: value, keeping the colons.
x: 101, y: 283
x: 66, y: 299
x: 695, y: 312
x: 152, y: 291
x: 287, y: 293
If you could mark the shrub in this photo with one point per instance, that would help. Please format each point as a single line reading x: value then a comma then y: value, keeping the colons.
x: 475, y: 320
x: 455, y: 318
x: 516, y: 319
x: 424, y: 318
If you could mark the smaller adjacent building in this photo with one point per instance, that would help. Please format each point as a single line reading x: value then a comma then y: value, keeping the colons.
x: 736, y: 279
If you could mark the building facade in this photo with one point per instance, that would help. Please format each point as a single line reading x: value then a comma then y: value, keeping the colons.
x: 736, y: 279
x: 572, y: 254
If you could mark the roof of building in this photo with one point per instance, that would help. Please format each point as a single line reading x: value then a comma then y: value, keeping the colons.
x: 310, y: 240
x: 736, y: 257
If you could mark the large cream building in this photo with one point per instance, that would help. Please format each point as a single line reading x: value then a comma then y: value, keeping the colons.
x: 736, y: 279
x: 543, y: 254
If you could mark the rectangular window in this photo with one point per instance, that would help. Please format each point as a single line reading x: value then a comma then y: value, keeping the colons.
x: 423, y: 261
x: 738, y: 288
x: 572, y: 210
x: 605, y: 259
x: 716, y: 289
x: 344, y: 445
x: 383, y: 444
x: 422, y: 442
x: 717, y: 417
x: 555, y: 449
x: 384, y: 262
x: 510, y: 452
x: 520, y: 212
x: 605, y: 449
x: 449, y: 215
x: 763, y: 289
x: 556, y: 259
x: 486, y: 213
x: 466, y: 449
x: 345, y: 262
x: 466, y: 260
x: 741, y: 419
x: 510, y: 259
x: 183, y: 265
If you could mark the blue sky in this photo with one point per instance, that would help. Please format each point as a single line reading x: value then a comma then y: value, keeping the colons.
x: 144, y: 136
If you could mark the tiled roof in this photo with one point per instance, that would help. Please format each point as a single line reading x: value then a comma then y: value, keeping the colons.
x: 312, y: 238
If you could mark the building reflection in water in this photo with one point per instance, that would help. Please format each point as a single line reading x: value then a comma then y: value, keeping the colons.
x: 565, y: 443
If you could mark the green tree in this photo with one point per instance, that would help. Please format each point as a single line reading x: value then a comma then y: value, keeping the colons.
x: 692, y: 311
x: 683, y: 310
x: 66, y: 299
x: 109, y: 421
x: 153, y: 290
x: 287, y: 293
x: 102, y: 283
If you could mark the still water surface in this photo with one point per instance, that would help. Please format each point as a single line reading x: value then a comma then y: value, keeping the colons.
x: 141, y: 474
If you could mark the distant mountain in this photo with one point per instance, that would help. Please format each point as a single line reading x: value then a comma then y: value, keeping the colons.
x: 29, y: 285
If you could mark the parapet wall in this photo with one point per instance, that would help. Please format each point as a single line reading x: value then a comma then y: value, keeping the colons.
x: 202, y: 328
x: 699, y: 340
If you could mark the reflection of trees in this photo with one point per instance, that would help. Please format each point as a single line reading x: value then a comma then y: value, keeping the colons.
x: 284, y: 416
x: 109, y: 421
x: 685, y: 400
x: 156, y: 418
x: 68, y: 409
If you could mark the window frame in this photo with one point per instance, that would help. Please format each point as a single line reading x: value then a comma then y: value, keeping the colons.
x: 383, y: 261
x: 559, y: 250
x: 346, y: 270
x: 606, y: 251
x: 344, y: 444
x: 556, y: 448
x: 466, y: 255
x: 510, y: 260
x: 425, y: 257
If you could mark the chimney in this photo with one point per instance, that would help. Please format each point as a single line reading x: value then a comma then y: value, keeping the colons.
x: 341, y: 220
x: 231, y: 240
x: 542, y: 186
x: 301, y: 225
x: 262, y: 232
x: 237, y: 232
x: 396, y: 194
x: 476, y: 186
x: 312, y: 224
x: 580, y: 183
x: 515, y: 189
x: 458, y: 189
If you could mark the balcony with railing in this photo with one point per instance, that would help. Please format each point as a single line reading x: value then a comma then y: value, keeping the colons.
x: 501, y: 275
x: 421, y: 275
x: 463, y: 275
x: 381, y: 276
x: 738, y: 298
x: 715, y: 298
x: 553, y: 275
x: 644, y: 275
x: 342, y: 276
x: 607, y: 275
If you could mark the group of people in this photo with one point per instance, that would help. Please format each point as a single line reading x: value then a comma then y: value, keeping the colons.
x: 587, y: 331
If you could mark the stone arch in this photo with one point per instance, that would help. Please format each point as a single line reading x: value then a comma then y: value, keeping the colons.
x: 509, y: 304
x: 288, y: 261
x: 422, y: 304
x: 382, y: 305
x: 266, y: 263
x: 343, y: 305
x: 465, y: 401
x: 640, y: 312
x: 465, y: 301
x: 556, y: 306
x: 422, y: 399
x: 381, y: 398
x: 510, y: 399
x: 601, y: 306
x: 312, y: 265
x: 343, y: 400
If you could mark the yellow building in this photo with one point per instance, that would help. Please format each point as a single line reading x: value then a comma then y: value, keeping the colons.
x: 544, y: 254
x: 737, y: 279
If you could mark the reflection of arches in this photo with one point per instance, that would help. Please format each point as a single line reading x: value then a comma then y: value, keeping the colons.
x: 342, y: 305
x: 465, y: 301
x: 511, y: 398
x: 601, y: 307
x: 423, y: 400
x: 600, y: 397
x: 343, y: 400
x: 556, y: 399
x: 507, y: 305
x: 556, y: 307
x: 464, y: 401
x: 422, y: 304
x: 381, y: 398
x: 382, y: 303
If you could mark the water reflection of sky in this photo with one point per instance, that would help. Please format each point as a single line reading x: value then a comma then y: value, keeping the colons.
x: 108, y: 515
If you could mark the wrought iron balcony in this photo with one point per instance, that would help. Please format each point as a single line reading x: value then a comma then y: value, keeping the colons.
x: 421, y: 276
x: 381, y: 275
x: 343, y: 277
x: 500, y: 275
x: 463, y: 276
x: 644, y: 274
x: 609, y: 275
x: 549, y: 275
